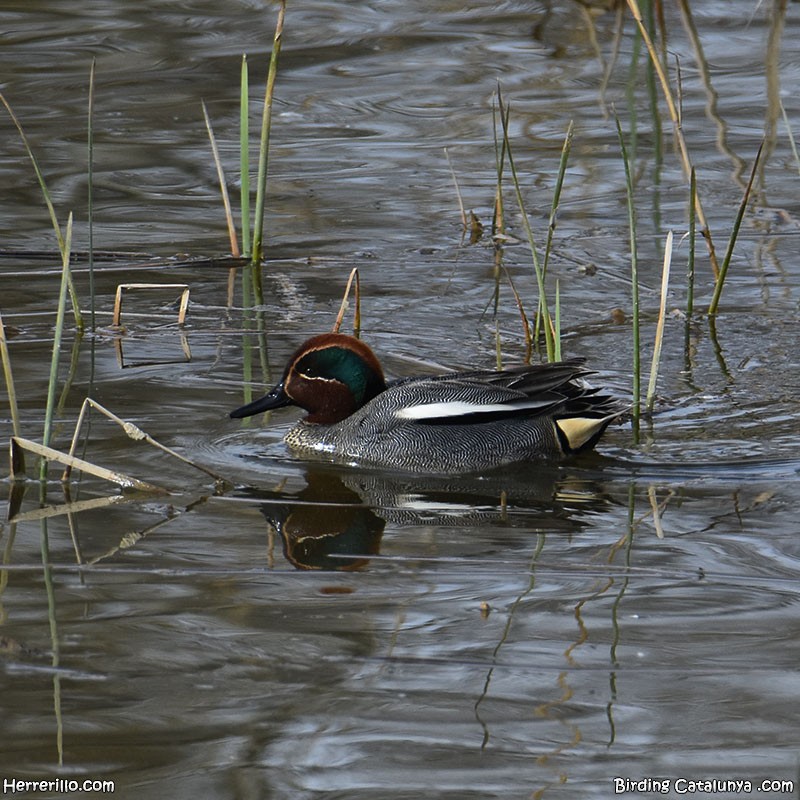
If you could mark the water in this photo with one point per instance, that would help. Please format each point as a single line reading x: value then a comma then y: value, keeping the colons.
x: 533, y: 633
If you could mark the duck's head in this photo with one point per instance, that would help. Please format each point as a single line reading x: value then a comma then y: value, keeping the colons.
x: 330, y: 376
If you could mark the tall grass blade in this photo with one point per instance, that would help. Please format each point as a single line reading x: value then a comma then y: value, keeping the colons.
x: 90, y: 189
x: 548, y: 331
x: 263, y: 152
x: 9, y: 379
x: 692, y: 238
x: 59, y: 329
x: 723, y: 272
x: 244, y: 155
x: 50, y: 209
x: 553, y: 220
x: 562, y: 170
x: 662, y: 314
x: 789, y: 133
x: 637, y: 367
x: 226, y: 200
x: 498, y: 214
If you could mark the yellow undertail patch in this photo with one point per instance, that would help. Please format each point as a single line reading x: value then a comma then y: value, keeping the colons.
x: 577, y: 431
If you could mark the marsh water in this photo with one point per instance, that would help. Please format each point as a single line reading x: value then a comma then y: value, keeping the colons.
x: 308, y: 631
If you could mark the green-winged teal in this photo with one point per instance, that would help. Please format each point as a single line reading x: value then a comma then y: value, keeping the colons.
x: 456, y: 422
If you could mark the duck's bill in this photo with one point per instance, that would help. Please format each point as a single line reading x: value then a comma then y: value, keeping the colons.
x: 277, y: 398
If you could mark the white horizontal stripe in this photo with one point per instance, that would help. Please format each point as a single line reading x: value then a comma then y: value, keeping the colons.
x: 460, y: 408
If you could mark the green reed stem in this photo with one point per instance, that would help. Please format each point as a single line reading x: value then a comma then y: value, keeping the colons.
x: 263, y: 153
x: 244, y: 155
x: 723, y: 270
x: 557, y: 336
x: 562, y: 170
x: 9, y: 378
x: 637, y: 367
x: 498, y: 214
x: 50, y: 209
x: 548, y: 327
x: 553, y: 220
x: 662, y: 315
x: 59, y: 330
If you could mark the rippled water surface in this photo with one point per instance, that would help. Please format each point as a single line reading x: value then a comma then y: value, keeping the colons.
x: 349, y: 633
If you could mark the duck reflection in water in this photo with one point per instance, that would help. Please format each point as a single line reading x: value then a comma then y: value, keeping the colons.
x: 337, y: 521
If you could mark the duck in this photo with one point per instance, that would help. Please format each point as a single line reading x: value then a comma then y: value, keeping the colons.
x: 457, y: 422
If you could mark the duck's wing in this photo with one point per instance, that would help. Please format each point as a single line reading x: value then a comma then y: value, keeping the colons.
x: 558, y: 391
x: 482, y: 396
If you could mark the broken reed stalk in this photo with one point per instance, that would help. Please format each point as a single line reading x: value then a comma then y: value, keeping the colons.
x: 526, y: 325
x: 464, y: 223
x: 637, y: 367
x: 133, y: 432
x: 548, y: 324
x: 18, y: 444
x: 76, y: 309
x: 9, y: 379
x: 226, y: 200
x: 675, y: 116
x: 59, y: 329
x: 263, y: 153
x: 662, y: 314
x: 343, y: 307
x: 723, y: 272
